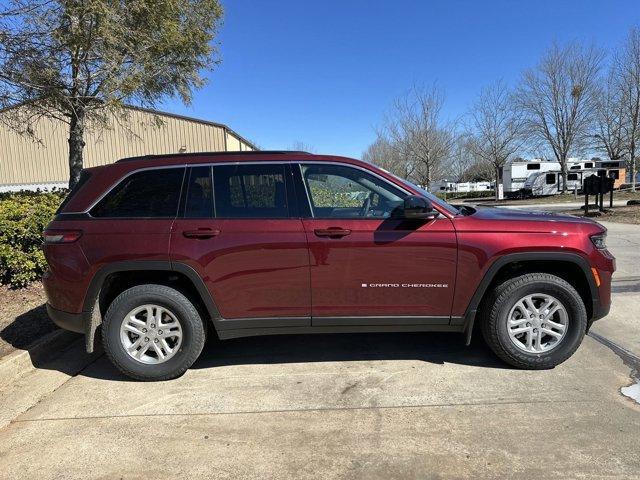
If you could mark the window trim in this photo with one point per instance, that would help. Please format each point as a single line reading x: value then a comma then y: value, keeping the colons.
x: 292, y: 164
x: 133, y: 172
x: 348, y: 165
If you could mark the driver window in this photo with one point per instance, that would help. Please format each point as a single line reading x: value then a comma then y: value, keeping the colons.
x: 337, y: 191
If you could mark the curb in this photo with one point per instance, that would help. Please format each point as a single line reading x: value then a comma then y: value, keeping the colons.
x: 21, y: 362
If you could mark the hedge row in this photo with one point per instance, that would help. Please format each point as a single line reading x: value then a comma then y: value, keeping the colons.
x: 23, y: 217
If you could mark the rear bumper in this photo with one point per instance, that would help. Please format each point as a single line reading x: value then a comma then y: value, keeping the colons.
x: 74, y: 322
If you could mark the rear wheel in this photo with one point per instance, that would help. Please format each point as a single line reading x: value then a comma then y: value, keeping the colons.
x: 534, y: 321
x: 152, y: 332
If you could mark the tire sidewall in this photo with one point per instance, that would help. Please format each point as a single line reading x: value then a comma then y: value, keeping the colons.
x: 575, y: 329
x: 172, y: 300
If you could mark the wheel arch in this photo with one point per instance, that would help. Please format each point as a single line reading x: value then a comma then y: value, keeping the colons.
x: 129, y: 273
x: 569, y: 266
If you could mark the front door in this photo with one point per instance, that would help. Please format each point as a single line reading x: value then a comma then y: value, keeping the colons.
x: 367, y: 268
x: 238, y: 232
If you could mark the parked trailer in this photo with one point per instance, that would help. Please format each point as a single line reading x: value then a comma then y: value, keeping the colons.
x: 516, y: 172
x: 549, y: 183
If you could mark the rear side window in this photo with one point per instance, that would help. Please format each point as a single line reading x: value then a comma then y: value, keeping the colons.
x: 146, y: 194
x: 199, y: 193
x: 550, y: 178
x: 84, y: 177
x: 533, y: 166
x: 250, y: 191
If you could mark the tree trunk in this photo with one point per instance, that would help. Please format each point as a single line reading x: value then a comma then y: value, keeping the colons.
x: 497, y: 172
x: 633, y: 172
x: 563, y: 170
x: 76, y: 145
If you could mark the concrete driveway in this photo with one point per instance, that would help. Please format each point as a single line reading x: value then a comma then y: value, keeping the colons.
x: 348, y: 406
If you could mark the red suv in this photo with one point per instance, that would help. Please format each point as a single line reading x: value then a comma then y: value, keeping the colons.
x: 153, y: 250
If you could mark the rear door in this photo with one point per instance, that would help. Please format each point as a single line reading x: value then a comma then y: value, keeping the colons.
x: 366, y: 267
x: 240, y: 231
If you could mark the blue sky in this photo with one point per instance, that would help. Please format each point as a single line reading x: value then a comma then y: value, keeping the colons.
x: 324, y: 72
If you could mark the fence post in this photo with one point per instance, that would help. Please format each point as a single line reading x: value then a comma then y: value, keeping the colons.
x: 586, y: 203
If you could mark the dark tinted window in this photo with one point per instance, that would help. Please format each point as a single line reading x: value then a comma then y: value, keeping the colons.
x: 250, y: 191
x: 551, y: 178
x: 533, y: 166
x: 572, y: 176
x: 147, y: 194
x: 199, y: 195
x: 588, y: 165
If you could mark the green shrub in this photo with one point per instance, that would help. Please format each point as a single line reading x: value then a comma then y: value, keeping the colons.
x: 23, y: 217
x: 462, y: 195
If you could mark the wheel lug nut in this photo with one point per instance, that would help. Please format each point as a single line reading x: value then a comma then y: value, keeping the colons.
x: 153, y: 325
x: 159, y: 332
x: 146, y: 339
x: 144, y: 330
x: 155, y: 340
x: 528, y: 324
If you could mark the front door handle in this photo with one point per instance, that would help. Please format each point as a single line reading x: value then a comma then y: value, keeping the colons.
x: 201, y: 233
x: 332, y: 232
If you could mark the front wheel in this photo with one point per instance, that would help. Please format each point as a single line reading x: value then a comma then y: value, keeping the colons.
x: 152, y: 332
x: 534, y: 321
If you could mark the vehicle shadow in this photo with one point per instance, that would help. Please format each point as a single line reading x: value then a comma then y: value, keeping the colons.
x: 438, y: 348
x: 432, y: 347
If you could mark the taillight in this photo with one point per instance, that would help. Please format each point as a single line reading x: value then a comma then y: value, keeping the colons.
x: 61, y: 236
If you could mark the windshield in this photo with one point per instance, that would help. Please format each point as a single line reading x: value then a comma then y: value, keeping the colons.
x: 428, y: 195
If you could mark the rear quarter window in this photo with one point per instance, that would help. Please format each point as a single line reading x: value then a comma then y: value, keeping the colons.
x: 147, y: 194
x: 84, y: 178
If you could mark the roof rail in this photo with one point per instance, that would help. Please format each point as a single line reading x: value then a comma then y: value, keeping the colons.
x: 208, y: 154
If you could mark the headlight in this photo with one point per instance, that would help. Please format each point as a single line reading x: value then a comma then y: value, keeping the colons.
x: 600, y: 241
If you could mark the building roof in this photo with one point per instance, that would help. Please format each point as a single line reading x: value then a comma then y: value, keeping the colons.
x: 170, y: 115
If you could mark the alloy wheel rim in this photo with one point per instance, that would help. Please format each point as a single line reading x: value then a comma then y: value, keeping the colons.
x: 151, y: 334
x: 537, y: 323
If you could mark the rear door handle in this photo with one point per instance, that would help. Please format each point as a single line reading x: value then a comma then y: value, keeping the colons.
x: 332, y: 232
x: 201, y: 233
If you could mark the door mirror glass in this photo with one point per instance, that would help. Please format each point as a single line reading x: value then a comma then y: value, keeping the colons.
x: 418, y: 208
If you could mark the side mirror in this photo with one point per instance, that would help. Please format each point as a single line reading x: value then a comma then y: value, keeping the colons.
x: 418, y: 208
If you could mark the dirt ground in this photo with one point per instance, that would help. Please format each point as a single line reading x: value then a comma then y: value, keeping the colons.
x: 23, y: 317
x: 629, y: 214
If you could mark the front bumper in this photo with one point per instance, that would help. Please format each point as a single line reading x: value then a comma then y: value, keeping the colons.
x: 74, y: 322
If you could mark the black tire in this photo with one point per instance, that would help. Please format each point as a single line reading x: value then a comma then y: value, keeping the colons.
x: 496, y: 308
x: 193, y: 332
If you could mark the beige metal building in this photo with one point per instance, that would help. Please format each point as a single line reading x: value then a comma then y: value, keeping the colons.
x: 29, y: 164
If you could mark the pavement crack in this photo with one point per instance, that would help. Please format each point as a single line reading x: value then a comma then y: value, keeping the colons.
x: 309, y: 410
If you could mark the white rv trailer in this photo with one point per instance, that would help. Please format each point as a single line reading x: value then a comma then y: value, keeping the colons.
x: 516, y: 172
x: 463, y: 187
x: 549, y: 183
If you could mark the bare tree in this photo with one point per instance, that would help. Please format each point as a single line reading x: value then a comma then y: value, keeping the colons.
x: 392, y: 158
x: 416, y: 130
x: 462, y: 159
x: 497, y: 127
x: 300, y: 146
x: 627, y: 68
x: 557, y: 98
x: 610, y: 131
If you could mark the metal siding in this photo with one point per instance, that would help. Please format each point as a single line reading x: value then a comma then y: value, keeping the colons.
x: 23, y: 161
